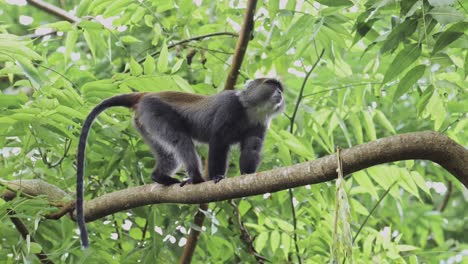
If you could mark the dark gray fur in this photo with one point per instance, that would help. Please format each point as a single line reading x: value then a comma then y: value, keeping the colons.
x: 170, y: 122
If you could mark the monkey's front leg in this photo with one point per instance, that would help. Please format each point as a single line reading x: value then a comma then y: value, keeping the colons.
x: 251, y: 148
x: 217, y: 159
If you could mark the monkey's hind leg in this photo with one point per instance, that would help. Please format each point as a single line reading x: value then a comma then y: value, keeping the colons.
x: 166, y: 165
x: 166, y: 162
x: 186, y: 151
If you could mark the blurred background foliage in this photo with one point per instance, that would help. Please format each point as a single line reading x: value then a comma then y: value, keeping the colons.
x: 388, y: 67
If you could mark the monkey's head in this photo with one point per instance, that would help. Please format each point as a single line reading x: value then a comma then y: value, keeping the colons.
x: 263, y: 98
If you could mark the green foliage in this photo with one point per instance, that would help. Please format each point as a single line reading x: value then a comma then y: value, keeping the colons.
x: 389, y: 67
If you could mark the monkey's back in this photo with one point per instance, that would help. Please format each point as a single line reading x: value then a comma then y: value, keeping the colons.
x: 200, y: 113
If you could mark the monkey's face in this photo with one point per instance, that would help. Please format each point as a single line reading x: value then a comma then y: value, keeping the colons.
x: 264, y: 97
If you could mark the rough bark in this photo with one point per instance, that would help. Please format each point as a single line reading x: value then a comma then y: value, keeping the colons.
x: 427, y: 145
x: 242, y: 43
x: 419, y: 145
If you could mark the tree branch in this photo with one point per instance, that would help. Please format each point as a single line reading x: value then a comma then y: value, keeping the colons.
x: 189, y: 248
x: 418, y: 145
x: 427, y: 145
x: 241, y: 47
x: 56, y: 11
x: 197, y: 38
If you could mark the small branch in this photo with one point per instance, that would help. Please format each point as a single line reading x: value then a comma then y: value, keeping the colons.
x: 446, y: 199
x: 372, y: 211
x: 23, y: 230
x: 245, y: 236
x: 51, y: 9
x: 68, y: 208
x: 33, y: 188
x: 291, y: 130
x: 193, y: 237
x: 301, y: 92
x: 198, y: 38
x: 241, y: 47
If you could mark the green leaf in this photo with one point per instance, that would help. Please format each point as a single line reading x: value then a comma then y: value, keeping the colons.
x: 90, y: 37
x: 285, y: 226
x: 446, y: 14
x: 356, y: 127
x: 83, y: 8
x: 274, y: 240
x: 129, y: 39
x: 427, y: 94
x: 450, y: 35
x: 404, y: 248
x: 149, y: 65
x: 90, y: 25
x: 59, y: 26
x: 30, y: 71
x: 116, y: 7
x: 12, y: 101
x: 260, y: 241
x: 11, y: 47
x: 135, y: 68
x: 177, y: 66
x: 407, y: 182
x: 437, y: 233
x: 410, y: 78
x: 398, y: 34
x: 244, y: 207
x: 420, y: 182
x: 295, y: 145
x: 163, y: 59
x: 70, y: 41
x: 286, y: 244
x: 35, y: 248
x: 183, y: 84
x: 358, y: 207
x: 148, y: 20
x: 363, y: 180
x: 436, y: 109
x: 403, y: 60
x: 135, y: 233
x: 466, y: 64
x: 382, y: 119
x: 335, y: 2
x: 369, y: 126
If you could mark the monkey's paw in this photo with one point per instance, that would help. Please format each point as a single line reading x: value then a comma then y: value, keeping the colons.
x: 165, y: 180
x: 191, y: 181
x: 218, y: 178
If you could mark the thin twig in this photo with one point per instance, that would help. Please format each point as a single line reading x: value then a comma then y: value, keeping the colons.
x: 241, y: 47
x: 291, y: 130
x: 372, y: 210
x: 67, y: 208
x: 245, y: 235
x: 23, y: 230
x: 446, y: 199
x: 339, y: 88
x: 301, y: 92
x: 56, y: 11
x: 198, y: 38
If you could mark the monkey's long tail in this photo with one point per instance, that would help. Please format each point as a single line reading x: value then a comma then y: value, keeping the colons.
x: 126, y: 100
